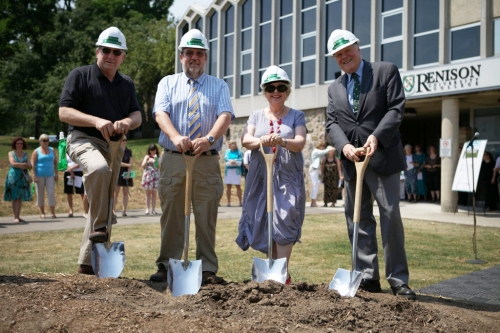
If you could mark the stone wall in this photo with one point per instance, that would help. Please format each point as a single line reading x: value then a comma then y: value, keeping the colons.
x: 315, y: 123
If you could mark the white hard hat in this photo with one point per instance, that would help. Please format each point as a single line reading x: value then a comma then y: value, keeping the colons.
x: 193, y: 39
x: 112, y: 37
x: 274, y: 73
x: 340, y: 39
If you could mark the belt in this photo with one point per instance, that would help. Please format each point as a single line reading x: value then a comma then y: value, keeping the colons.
x: 191, y: 153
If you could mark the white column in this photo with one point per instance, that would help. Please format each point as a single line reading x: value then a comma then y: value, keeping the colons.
x: 449, y: 130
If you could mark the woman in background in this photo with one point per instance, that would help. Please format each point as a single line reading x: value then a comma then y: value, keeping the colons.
x: 150, y: 177
x: 411, y: 174
x: 233, y: 159
x: 17, y: 189
x: 331, y: 172
x: 421, y: 174
x: 45, y: 161
x: 314, y: 169
x: 124, y: 180
x: 433, y: 167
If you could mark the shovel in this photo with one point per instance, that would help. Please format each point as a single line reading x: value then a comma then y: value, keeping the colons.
x: 347, y: 282
x: 108, y: 259
x: 184, y: 276
x: 269, y: 269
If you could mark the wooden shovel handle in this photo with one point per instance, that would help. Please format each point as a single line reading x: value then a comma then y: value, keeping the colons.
x: 360, y: 173
x: 269, y: 158
x: 189, y: 183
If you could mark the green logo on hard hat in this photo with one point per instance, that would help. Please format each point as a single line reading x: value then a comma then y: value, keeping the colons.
x: 112, y: 40
x: 195, y: 41
x: 339, y: 43
x: 271, y: 77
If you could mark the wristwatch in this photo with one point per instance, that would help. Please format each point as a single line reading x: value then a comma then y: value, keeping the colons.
x: 210, y: 139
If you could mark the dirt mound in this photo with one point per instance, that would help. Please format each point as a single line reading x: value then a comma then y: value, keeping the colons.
x: 76, y: 303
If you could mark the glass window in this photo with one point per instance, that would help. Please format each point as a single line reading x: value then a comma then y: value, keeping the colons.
x: 246, y: 14
x: 229, y: 27
x: 426, y: 15
x: 265, y: 46
x: 392, y: 25
x: 391, y: 4
x: 246, y: 84
x: 308, y: 42
x: 286, y: 7
x: 285, y: 40
x: 333, y: 20
x: 185, y: 29
x: 213, y: 58
x: 214, y: 20
x: 309, y: 20
x: 361, y: 20
x: 496, y: 37
x: 392, y: 52
x: 309, y: 46
x: 365, y: 53
x: 228, y: 56
x: 288, y: 70
x: 307, y: 72
x: 246, y: 39
x: 229, y: 81
x: 246, y: 62
x: 465, y: 42
x: 199, y: 24
x: 308, y: 3
x: 265, y: 10
x: 426, y: 49
x: 228, y: 49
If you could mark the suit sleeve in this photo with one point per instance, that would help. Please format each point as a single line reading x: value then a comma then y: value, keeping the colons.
x: 335, y: 133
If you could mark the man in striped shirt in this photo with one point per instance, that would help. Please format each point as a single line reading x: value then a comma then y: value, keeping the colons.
x: 193, y: 110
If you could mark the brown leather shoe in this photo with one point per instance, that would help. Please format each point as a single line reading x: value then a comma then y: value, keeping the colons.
x: 160, y: 275
x: 99, y: 235
x: 208, y: 277
x: 85, y: 269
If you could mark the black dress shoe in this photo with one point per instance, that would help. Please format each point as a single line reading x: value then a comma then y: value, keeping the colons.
x: 85, y: 269
x: 372, y: 286
x: 160, y: 275
x: 99, y: 235
x: 404, y: 291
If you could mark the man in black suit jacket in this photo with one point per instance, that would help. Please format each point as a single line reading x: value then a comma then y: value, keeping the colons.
x: 368, y: 114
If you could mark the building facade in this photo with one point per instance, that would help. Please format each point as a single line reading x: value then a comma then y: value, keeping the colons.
x: 448, y: 53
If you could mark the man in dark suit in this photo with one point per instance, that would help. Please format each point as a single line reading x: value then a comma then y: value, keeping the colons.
x: 365, y: 109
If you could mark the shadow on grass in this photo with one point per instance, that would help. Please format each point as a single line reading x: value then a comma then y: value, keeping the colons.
x: 459, y: 303
x: 22, y: 280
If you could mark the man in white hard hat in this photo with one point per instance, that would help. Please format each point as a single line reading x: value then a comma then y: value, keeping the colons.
x: 365, y: 109
x: 193, y: 110
x: 100, y: 105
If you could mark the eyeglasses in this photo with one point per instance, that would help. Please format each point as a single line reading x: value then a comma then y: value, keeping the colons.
x: 45, y: 140
x: 107, y: 50
x: 281, y: 88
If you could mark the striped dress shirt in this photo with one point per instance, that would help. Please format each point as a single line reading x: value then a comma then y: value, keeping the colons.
x: 172, y: 97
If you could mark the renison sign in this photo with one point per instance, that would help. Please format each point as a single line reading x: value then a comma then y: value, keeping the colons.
x: 452, y: 79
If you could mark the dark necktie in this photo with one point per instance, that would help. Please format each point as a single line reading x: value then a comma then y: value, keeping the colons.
x: 193, y: 114
x: 355, y: 92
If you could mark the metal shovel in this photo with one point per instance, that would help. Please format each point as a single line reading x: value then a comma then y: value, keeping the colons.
x: 347, y: 282
x: 269, y: 269
x: 184, y: 276
x: 108, y: 259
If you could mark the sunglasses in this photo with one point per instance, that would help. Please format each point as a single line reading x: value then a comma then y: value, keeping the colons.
x: 281, y: 88
x: 106, y: 50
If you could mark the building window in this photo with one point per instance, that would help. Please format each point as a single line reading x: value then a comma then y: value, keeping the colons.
x: 308, y: 43
x: 213, y: 42
x: 465, y: 42
x: 246, y: 49
x: 361, y: 25
x: 496, y: 37
x: 184, y: 29
x: 229, y: 48
x: 333, y: 21
x: 426, y: 32
x: 199, y: 24
x: 392, y: 32
x: 285, y: 36
x: 264, y: 36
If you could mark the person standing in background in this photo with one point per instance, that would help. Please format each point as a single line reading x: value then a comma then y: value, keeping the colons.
x: 233, y: 159
x: 100, y: 105
x: 150, y: 177
x: 365, y: 109
x: 124, y: 178
x: 421, y: 173
x: 45, y: 175
x: 314, y: 169
x: 331, y: 170
x: 433, y: 167
x: 193, y: 110
x: 73, y: 171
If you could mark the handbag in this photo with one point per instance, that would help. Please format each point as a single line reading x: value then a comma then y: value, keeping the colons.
x: 27, y: 177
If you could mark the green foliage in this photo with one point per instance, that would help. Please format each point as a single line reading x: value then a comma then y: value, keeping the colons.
x: 43, y: 41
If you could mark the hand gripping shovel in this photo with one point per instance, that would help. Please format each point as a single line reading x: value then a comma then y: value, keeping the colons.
x: 269, y: 269
x: 184, y: 276
x: 347, y: 282
x: 108, y: 259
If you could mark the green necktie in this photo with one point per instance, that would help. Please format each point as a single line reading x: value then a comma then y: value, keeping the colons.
x: 355, y: 92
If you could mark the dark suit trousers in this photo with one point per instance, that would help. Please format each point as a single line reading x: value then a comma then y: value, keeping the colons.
x: 385, y: 190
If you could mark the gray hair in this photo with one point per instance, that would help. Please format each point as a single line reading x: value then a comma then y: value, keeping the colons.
x: 408, y: 146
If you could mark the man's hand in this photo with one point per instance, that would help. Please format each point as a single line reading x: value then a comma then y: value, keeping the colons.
x: 351, y: 153
x: 182, y: 143
x: 106, y: 128
x: 121, y: 127
x: 371, y: 142
x: 200, y: 145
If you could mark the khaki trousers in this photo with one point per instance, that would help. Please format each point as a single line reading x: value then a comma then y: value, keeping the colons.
x: 206, y: 193
x: 94, y: 156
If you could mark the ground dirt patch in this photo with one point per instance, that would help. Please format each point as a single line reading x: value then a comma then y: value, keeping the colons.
x: 77, y: 303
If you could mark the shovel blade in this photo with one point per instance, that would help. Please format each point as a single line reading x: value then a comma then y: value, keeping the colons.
x: 184, y: 281
x: 345, y: 282
x: 108, y: 259
x: 269, y: 269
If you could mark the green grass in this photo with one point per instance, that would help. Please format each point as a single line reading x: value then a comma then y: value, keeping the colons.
x: 435, y: 251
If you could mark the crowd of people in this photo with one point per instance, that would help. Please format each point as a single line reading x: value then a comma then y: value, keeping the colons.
x: 193, y: 111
